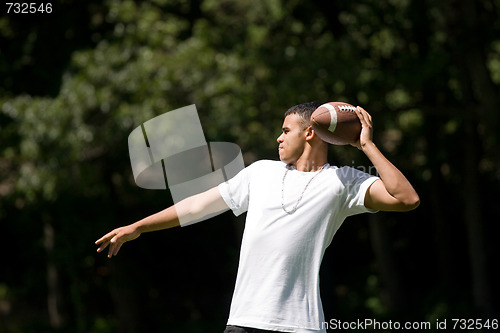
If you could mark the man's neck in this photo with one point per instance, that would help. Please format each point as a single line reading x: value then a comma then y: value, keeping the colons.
x: 310, y: 165
x: 313, y: 158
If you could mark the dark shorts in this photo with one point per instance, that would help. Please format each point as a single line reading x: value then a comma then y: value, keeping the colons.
x: 238, y: 329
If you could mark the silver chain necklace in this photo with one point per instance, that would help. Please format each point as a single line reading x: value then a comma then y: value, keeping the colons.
x: 300, y: 197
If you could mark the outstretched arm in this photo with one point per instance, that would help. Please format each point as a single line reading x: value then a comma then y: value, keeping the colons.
x: 189, y: 209
x: 393, y: 192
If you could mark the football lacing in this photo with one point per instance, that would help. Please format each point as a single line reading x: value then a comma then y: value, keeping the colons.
x: 346, y: 108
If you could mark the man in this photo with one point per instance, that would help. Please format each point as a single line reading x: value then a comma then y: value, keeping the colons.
x: 294, y: 208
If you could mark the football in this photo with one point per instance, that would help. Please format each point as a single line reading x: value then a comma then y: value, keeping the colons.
x: 336, y: 123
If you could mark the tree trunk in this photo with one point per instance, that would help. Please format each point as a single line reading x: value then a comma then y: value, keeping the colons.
x: 396, y: 297
x: 481, y: 287
x: 479, y: 97
x: 56, y: 319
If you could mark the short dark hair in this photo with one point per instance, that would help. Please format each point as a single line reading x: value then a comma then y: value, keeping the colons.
x: 304, y: 111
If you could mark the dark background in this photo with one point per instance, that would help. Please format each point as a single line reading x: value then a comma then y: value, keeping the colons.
x: 75, y: 82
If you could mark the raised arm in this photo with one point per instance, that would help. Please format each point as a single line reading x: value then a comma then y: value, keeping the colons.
x: 189, y: 209
x: 393, y: 192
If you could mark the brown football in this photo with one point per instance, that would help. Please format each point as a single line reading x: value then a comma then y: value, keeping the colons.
x: 336, y: 123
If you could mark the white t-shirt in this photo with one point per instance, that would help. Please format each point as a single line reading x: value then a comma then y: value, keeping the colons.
x: 277, y: 286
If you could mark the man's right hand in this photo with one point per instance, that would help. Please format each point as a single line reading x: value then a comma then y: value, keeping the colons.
x: 116, y: 238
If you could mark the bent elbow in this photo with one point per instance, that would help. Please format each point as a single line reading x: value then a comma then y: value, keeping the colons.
x: 411, y: 203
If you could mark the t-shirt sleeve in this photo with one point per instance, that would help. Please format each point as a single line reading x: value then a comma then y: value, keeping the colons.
x: 356, y: 184
x: 236, y: 191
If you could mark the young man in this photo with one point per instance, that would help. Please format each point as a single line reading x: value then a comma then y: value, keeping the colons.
x: 294, y: 208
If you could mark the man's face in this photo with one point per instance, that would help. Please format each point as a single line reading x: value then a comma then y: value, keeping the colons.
x: 292, y: 139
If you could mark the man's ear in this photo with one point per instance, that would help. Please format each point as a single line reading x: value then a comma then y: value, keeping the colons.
x: 312, y: 136
x: 310, y: 133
